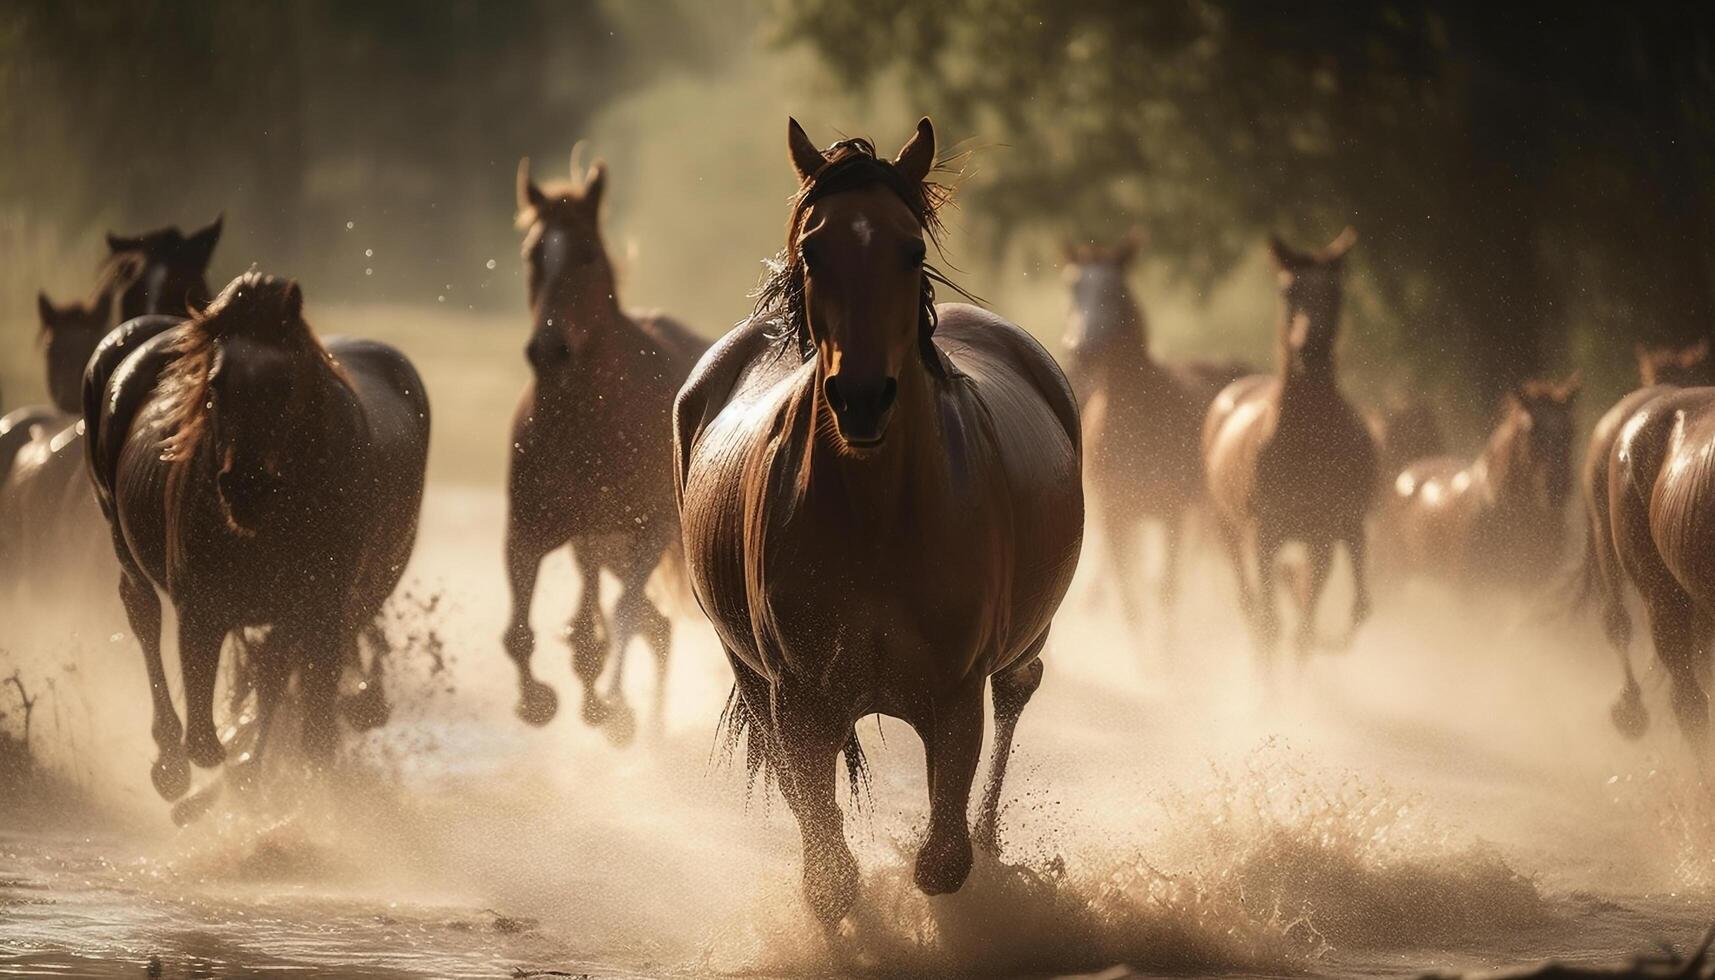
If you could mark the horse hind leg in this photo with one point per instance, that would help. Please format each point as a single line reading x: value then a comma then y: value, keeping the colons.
x: 171, y: 772
x: 326, y: 652
x: 1011, y: 691
x: 537, y: 703
x: 368, y: 708
x: 1673, y: 627
x: 1321, y: 564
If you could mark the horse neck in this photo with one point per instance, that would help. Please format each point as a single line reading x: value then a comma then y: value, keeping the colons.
x: 1505, y: 461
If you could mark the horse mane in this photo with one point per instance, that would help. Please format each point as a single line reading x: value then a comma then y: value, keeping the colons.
x: 851, y: 164
x: 119, y: 272
x: 251, y: 306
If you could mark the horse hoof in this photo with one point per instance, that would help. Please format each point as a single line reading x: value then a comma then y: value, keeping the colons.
x: 621, y: 724
x: 1630, y: 716
x: 596, y: 710
x: 519, y: 642
x: 205, y: 750
x: 831, y: 886
x: 366, y: 711
x: 943, y: 864
x: 171, y: 775
x: 537, y: 704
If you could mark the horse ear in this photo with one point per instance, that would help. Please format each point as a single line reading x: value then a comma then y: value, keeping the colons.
x: 1337, y: 249
x: 202, y: 242
x: 294, y: 303
x: 1697, y: 353
x: 45, y: 310
x: 1570, y: 388
x: 806, y: 159
x: 917, y: 157
x: 530, y: 196
x: 595, y: 183
x: 1285, y: 255
x: 120, y: 243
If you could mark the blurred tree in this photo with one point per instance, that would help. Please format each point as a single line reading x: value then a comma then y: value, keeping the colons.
x: 1511, y: 168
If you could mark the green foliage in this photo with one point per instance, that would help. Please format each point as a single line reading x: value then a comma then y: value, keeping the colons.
x: 1516, y: 175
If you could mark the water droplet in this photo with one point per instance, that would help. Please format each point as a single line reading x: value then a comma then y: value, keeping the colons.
x: 490, y: 263
x: 369, y: 272
x: 440, y: 299
x: 369, y: 253
x: 349, y: 225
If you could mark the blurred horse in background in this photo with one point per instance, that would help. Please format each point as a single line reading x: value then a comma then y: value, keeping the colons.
x: 1288, y: 458
x: 1661, y: 370
x: 53, y: 541
x: 259, y: 478
x: 1142, y: 419
x: 591, y: 461
x: 1498, y: 520
x: 882, y: 509
x: 1405, y: 431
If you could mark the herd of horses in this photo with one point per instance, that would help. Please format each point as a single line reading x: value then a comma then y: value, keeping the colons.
x: 878, y: 500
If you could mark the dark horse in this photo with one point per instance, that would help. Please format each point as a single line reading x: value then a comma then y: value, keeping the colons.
x: 882, y: 509
x: 1142, y: 419
x: 260, y: 478
x: 51, y: 532
x: 1661, y: 371
x: 592, y: 459
x: 1287, y: 456
x: 1498, y: 520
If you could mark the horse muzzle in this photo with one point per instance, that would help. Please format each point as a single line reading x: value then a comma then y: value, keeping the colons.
x: 862, y: 410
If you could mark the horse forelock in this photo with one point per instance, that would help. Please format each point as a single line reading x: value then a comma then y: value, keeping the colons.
x: 851, y: 164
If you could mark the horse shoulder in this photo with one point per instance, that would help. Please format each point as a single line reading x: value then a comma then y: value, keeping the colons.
x: 711, y: 384
x: 991, y: 347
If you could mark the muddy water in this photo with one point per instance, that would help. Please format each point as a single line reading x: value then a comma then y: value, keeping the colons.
x: 1445, y: 794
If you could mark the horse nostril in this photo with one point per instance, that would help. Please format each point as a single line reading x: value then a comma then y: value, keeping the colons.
x: 889, y: 391
x: 831, y: 388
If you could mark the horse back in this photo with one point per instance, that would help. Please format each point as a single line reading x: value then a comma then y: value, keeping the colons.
x: 1661, y: 487
x: 118, y: 381
x: 678, y: 343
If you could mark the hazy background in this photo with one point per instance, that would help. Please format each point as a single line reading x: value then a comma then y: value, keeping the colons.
x: 1531, y: 190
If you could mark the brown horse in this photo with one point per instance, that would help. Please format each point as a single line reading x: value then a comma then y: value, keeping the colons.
x: 882, y: 508
x: 160, y: 271
x: 1287, y: 457
x: 260, y: 478
x: 1142, y: 419
x: 591, y: 457
x: 1661, y: 370
x: 1498, y: 520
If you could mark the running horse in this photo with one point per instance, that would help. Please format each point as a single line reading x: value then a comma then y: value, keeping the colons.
x: 882, y: 509
x: 259, y: 478
x: 1142, y: 418
x: 591, y: 461
x: 1287, y: 457
x: 1498, y: 520
x: 51, y: 532
x: 1662, y: 371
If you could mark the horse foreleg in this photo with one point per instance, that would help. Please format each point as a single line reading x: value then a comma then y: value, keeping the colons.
x: 537, y: 702
x: 588, y: 636
x: 1122, y: 555
x: 635, y: 615
x: 271, y: 663
x: 1357, y: 549
x: 368, y: 708
x: 808, y: 735
x: 952, y: 742
x: 326, y: 652
x: 200, y: 638
x: 1232, y: 541
x: 1266, y: 605
x: 171, y: 772
x: 1011, y: 692
x: 1321, y: 554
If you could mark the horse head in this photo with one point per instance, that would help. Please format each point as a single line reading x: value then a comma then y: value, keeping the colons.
x: 71, y: 333
x: 160, y: 271
x: 1686, y: 367
x: 570, y: 279
x: 1311, y: 292
x: 1541, y: 433
x: 853, y: 285
x: 1101, y: 309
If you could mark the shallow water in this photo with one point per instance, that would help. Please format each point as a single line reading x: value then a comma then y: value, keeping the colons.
x: 1446, y: 794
